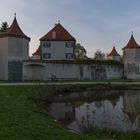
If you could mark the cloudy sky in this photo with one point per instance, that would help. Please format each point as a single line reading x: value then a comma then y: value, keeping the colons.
x: 96, y: 24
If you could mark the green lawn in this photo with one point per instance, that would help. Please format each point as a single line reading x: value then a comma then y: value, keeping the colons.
x: 22, y: 119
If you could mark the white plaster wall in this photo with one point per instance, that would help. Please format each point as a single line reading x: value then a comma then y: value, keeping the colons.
x: 87, y: 72
x: 116, y: 58
x: 44, y: 71
x: 62, y: 71
x: 18, y: 49
x: 132, y: 63
x: 34, y: 71
x: 114, y: 72
x: 4, y: 58
x: 57, y: 50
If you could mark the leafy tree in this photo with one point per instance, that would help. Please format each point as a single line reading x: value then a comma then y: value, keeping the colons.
x: 80, y: 52
x: 4, y: 26
x: 98, y: 55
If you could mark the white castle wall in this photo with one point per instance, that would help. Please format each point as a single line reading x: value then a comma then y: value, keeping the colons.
x: 4, y: 58
x: 45, y: 71
x: 132, y: 63
x: 18, y: 49
x: 13, y: 51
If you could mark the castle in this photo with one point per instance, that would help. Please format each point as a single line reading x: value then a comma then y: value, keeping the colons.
x: 54, y: 58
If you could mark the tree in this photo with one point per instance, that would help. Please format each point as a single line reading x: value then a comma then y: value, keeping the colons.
x: 98, y: 55
x: 4, y: 26
x: 80, y: 52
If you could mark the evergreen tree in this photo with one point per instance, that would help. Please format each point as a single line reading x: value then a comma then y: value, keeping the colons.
x: 4, y: 26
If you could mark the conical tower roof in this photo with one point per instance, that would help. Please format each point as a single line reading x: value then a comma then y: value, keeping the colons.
x: 61, y: 34
x: 14, y: 31
x: 113, y: 52
x: 132, y: 44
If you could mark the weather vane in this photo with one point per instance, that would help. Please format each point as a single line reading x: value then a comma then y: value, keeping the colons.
x: 15, y: 14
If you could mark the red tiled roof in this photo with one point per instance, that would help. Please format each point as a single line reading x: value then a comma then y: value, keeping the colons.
x: 113, y: 52
x: 132, y: 43
x: 14, y: 31
x: 38, y: 51
x: 61, y: 34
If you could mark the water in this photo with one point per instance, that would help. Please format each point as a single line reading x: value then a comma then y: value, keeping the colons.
x: 112, y: 109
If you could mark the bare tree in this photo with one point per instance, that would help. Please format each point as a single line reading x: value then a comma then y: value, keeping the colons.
x: 98, y: 55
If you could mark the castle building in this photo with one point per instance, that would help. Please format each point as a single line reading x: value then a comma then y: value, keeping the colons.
x: 53, y: 58
x: 57, y: 44
x: 131, y: 59
x: 14, y: 48
x: 113, y: 55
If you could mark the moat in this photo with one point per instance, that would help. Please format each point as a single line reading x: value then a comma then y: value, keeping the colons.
x: 111, y: 109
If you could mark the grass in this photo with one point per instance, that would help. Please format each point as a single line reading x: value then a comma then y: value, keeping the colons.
x: 22, y: 119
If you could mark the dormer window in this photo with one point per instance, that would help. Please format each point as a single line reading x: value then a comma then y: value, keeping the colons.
x: 46, y: 44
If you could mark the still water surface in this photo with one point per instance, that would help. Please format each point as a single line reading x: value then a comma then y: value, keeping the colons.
x: 111, y: 109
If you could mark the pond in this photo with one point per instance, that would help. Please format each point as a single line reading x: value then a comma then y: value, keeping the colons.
x: 112, y: 109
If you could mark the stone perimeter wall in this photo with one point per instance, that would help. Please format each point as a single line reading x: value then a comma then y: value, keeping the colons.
x: 46, y: 71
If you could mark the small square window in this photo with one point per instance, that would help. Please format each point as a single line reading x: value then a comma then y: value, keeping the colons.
x: 68, y: 44
x: 69, y: 55
x: 46, y: 55
x: 46, y: 44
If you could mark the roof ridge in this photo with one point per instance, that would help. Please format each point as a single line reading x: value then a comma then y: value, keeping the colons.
x: 58, y: 33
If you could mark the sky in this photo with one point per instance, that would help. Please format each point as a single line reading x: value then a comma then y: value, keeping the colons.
x: 96, y: 24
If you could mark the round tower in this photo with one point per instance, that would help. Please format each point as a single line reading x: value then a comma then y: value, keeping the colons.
x: 14, y: 49
x: 131, y: 59
x: 114, y: 55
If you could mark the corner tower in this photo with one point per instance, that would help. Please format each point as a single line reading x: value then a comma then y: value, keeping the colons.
x: 14, y: 48
x: 114, y: 55
x: 131, y: 58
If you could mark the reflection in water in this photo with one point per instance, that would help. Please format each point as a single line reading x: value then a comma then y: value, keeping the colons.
x: 118, y: 113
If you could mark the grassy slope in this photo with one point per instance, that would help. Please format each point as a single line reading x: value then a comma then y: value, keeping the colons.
x: 21, y: 119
